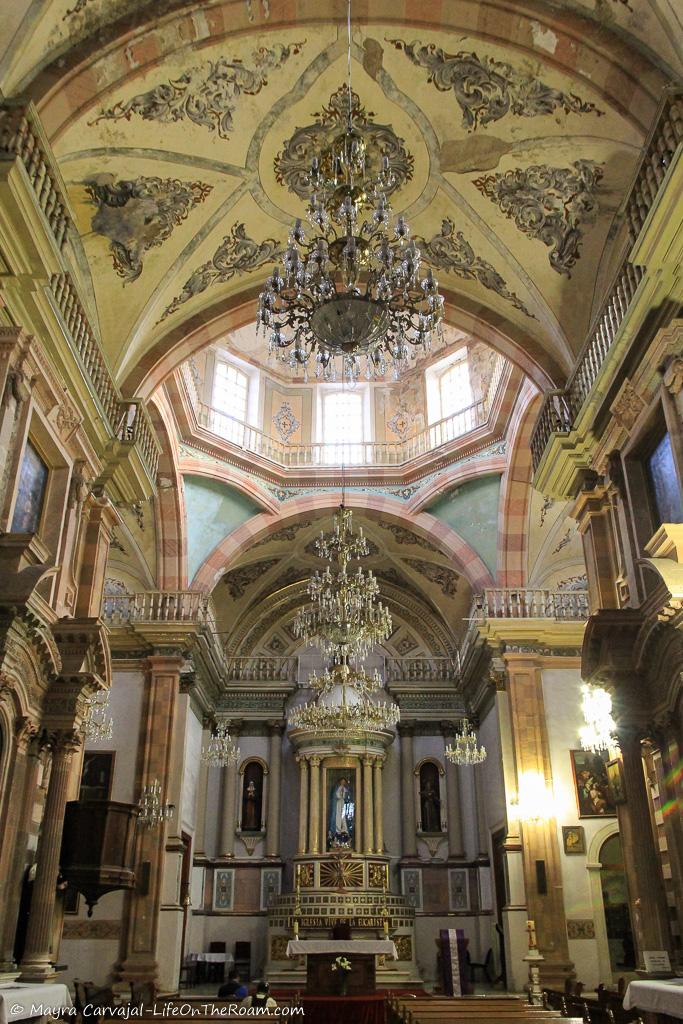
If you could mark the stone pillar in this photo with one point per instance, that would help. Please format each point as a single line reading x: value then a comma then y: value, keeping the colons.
x: 540, y: 847
x: 480, y: 811
x: 409, y: 840
x: 368, y: 812
x: 98, y: 532
x: 37, y: 962
x: 649, y: 912
x: 303, y: 804
x: 141, y: 923
x: 20, y: 803
x: 228, y: 821
x: 379, y: 810
x: 202, y: 789
x: 314, y: 806
x: 275, y: 762
x: 456, y: 847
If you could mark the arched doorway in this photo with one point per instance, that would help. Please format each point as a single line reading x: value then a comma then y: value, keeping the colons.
x: 616, y: 905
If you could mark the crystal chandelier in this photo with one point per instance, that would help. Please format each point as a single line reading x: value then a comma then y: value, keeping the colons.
x: 97, y: 722
x: 351, y: 292
x: 344, y: 618
x: 222, y: 749
x: 152, y: 811
x: 344, y: 704
x: 465, y: 750
x: 598, y: 733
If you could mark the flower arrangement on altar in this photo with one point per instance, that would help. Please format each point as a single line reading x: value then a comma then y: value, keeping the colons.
x: 341, y: 964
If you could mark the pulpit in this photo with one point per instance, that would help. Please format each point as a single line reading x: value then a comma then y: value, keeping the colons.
x: 322, y: 980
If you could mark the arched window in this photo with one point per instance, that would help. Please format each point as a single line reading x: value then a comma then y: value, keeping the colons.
x: 455, y: 390
x: 252, y: 797
x: 430, y: 798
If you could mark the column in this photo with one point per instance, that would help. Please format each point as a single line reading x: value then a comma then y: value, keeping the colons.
x: 456, y: 846
x: 314, y: 806
x: 36, y: 964
x: 480, y: 811
x: 227, y: 843
x: 141, y: 923
x: 202, y: 788
x: 408, y: 791
x: 303, y: 804
x: 368, y: 812
x: 275, y: 761
x: 649, y: 910
x: 379, y: 810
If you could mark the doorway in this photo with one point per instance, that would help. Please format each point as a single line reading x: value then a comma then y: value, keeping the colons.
x: 616, y: 905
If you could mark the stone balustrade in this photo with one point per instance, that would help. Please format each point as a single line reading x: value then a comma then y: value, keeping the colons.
x: 530, y: 603
x: 156, y: 606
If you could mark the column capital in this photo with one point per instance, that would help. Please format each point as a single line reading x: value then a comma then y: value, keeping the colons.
x: 315, y: 760
x: 165, y: 659
x: 275, y: 727
x: 406, y: 729
x: 368, y: 760
x: 25, y: 731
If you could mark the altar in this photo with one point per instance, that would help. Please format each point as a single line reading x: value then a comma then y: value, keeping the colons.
x: 321, y: 954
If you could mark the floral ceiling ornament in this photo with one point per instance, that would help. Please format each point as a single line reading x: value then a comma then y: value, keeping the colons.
x: 403, y: 536
x: 286, y: 422
x: 487, y: 90
x: 238, y: 580
x: 402, y: 421
x: 449, y: 251
x: 206, y: 94
x: 549, y: 204
x: 293, y: 164
x: 139, y: 215
x: 446, y: 579
x: 237, y: 254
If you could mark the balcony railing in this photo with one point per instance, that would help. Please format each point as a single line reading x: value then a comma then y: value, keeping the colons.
x: 420, y: 670
x: 154, y: 606
x: 526, y: 603
x: 561, y: 409
x: 365, y: 453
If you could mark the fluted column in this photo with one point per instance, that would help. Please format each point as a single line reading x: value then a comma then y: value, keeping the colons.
x: 314, y: 806
x: 408, y: 791
x: 227, y: 844
x: 456, y: 846
x: 202, y: 787
x: 275, y: 759
x: 36, y: 965
x: 368, y: 812
x: 379, y: 820
x: 303, y: 804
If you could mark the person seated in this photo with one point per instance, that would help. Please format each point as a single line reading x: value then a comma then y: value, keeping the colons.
x: 234, y: 987
x: 261, y: 997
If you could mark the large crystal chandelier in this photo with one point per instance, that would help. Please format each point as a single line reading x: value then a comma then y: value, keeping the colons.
x: 598, y: 733
x: 351, y: 292
x: 97, y: 722
x: 222, y: 749
x: 344, y: 619
x: 344, y: 704
x: 465, y: 749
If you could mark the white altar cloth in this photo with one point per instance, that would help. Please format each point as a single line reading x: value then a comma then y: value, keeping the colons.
x: 209, y: 958
x: 664, y: 996
x: 18, y: 1001
x: 385, y: 947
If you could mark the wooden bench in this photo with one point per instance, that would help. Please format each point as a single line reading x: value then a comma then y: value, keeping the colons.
x: 495, y: 1009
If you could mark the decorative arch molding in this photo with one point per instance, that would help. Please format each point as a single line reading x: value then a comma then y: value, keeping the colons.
x: 594, y: 866
x: 248, y: 760
x: 169, y: 508
x: 227, y: 474
x: 515, y: 492
x: 432, y: 759
x: 451, y: 476
x: 464, y: 557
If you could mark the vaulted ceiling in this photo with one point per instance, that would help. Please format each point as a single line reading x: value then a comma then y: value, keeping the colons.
x: 182, y: 131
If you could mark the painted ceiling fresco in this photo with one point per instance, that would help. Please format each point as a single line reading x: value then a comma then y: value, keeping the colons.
x: 184, y: 142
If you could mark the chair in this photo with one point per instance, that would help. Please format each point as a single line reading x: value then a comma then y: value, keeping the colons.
x: 243, y: 959
x: 486, y: 967
x: 216, y: 972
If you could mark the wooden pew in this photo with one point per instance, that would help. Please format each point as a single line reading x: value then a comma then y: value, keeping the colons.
x: 496, y: 1009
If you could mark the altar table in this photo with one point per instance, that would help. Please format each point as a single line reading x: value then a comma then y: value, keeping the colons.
x: 322, y: 980
x: 17, y: 1001
x: 663, y: 996
x: 342, y: 947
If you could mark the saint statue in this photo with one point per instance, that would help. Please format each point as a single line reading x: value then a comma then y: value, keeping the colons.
x: 249, y: 820
x: 430, y: 808
x: 340, y: 827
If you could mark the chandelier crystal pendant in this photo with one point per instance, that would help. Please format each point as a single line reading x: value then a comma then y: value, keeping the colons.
x: 465, y: 749
x: 344, y: 704
x: 97, y: 722
x: 599, y: 732
x: 152, y: 811
x: 222, y: 749
x: 353, y: 292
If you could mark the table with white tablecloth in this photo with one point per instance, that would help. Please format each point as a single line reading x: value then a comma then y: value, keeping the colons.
x: 20, y: 1001
x: 208, y: 965
x: 662, y: 996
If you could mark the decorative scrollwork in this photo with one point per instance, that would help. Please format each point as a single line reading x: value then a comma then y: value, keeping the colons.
x: 293, y: 164
x: 207, y: 94
x: 548, y: 203
x: 449, y: 251
x: 237, y: 254
x: 487, y: 90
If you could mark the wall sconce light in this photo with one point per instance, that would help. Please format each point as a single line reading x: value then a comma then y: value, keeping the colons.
x: 534, y: 799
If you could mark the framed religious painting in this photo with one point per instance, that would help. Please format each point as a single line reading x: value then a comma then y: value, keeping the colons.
x: 593, y: 797
x: 28, y: 507
x: 573, y: 839
x: 615, y: 781
x: 341, y: 808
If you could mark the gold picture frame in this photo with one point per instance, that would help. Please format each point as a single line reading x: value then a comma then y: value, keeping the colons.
x: 573, y: 839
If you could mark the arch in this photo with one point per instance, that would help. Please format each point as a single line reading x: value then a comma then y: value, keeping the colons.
x: 258, y: 527
x: 189, y: 466
x: 515, y: 492
x: 459, y: 473
x: 594, y: 866
x: 430, y: 797
x: 252, y: 797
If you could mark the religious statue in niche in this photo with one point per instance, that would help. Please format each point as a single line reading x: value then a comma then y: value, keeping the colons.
x: 430, y: 801
x: 252, y: 797
x: 342, y: 810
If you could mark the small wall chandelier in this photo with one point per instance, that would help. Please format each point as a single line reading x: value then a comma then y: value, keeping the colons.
x: 352, y: 291
x: 344, y: 704
x: 222, y: 749
x: 598, y: 734
x: 152, y: 811
x: 465, y: 749
x: 344, y: 618
x: 97, y: 722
